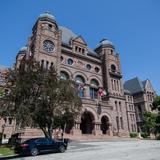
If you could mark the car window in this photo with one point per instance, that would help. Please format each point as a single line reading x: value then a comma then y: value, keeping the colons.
x: 42, y: 141
x: 51, y: 141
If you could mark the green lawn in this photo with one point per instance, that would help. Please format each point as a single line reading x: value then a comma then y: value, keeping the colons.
x: 4, y: 151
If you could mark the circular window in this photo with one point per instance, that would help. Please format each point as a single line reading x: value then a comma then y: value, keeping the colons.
x: 88, y: 66
x: 70, y: 61
x: 97, y: 69
x: 48, y: 46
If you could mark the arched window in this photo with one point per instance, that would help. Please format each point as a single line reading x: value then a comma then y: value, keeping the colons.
x: 64, y: 75
x: 80, y: 81
x: 70, y: 61
x: 113, y: 68
x: 121, y: 121
x: 94, y: 89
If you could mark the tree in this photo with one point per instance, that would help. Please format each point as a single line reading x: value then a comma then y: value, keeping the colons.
x: 156, y: 103
x: 38, y: 97
x: 156, y: 106
x: 1, y: 91
x: 149, y: 122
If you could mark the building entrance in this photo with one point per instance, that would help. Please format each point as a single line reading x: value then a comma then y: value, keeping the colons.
x: 104, y: 124
x: 87, y: 123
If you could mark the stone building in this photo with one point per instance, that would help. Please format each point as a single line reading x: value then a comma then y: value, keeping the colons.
x: 108, y: 108
x: 143, y: 95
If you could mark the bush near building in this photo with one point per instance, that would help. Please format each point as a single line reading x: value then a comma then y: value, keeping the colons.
x: 133, y: 134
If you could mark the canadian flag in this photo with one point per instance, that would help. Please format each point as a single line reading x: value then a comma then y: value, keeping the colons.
x: 101, y: 92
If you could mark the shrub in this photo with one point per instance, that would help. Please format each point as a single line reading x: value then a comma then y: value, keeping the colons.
x: 133, y: 134
x: 144, y: 135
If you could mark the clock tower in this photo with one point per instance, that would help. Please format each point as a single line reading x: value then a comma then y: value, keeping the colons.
x: 45, y: 43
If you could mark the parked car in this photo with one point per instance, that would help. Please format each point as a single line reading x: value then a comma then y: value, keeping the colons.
x: 35, y: 146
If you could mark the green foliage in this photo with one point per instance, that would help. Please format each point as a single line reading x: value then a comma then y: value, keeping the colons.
x: 156, y: 103
x: 149, y: 122
x: 6, y: 151
x: 39, y: 98
x: 144, y: 135
x: 1, y: 92
x: 156, y: 106
x: 133, y: 134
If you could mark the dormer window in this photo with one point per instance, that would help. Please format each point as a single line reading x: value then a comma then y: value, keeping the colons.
x: 79, y: 50
x: 76, y: 48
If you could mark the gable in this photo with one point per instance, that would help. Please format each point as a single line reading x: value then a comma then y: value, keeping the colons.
x: 148, y: 86
x: 80, y: 39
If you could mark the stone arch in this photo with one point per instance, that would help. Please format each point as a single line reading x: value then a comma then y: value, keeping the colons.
x: 96, y: 78
x: 106, y: 114
x: 105, y: 123
x: 88, y: 119
x: 67, y: 71
x: 81, y: 74
x: 92, y: 110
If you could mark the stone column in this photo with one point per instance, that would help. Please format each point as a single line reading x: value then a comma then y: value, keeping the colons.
x: 97, y: 130
x: 76, y: 129
x: 110, y: 129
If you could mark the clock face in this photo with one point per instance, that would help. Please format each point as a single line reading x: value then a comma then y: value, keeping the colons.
x: 48, y: 46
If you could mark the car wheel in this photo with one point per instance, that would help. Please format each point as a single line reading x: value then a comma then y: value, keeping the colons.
x: 34, y: 152
x: 61, y: 149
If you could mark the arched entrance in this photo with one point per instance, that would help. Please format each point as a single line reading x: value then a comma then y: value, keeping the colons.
x: 87, y: 123
x: 104, y: 124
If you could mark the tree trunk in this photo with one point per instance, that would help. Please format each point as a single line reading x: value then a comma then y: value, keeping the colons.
x: 46, y: 132
x: 50, y: 131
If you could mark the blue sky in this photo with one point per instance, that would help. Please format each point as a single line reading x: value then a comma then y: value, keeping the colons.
x: 132, y: 25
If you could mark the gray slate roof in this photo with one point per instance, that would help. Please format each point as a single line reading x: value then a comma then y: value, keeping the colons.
x: 67, y: 35
x: 134, y: 85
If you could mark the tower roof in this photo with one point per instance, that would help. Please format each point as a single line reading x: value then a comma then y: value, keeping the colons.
x: 104, y: 42
x: 24, y: 48
x: 47, y: 14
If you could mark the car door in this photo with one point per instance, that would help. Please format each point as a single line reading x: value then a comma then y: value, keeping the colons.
x: 52, y: 146
x: 42, y: 144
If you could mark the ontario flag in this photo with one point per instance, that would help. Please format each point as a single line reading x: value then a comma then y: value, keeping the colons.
x: 101, y: 92
x: 81, y: 86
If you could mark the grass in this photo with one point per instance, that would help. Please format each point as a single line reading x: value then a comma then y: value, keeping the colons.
x: 6, y: 151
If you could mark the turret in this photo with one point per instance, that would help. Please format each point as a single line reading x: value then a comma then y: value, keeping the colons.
x: 112, y: 78
x: 45, y: 42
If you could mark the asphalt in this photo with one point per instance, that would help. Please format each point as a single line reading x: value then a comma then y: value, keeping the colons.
x: 105, y: 150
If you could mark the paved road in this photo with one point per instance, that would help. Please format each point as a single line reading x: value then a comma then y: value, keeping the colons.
x: 108, y: 150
